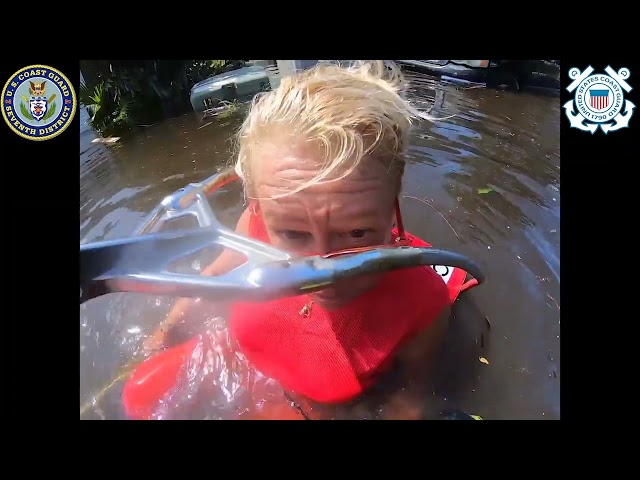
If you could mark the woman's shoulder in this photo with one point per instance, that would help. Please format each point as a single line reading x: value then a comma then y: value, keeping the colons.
x: 421, y: 282
x: 420, y: 293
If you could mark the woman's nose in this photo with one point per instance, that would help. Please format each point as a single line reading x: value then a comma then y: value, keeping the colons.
x: 321, y: 246
x: 324, y: 245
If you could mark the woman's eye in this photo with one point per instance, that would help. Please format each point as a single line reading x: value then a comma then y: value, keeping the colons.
x: 358, y: 233
x: 293, y: 235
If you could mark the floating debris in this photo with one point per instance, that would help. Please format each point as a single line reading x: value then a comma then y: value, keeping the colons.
x: 108, y: 141
x: 483, y: 191
x: 554, y: 301
x: 484, y: 360
x: 458, y: 415
x: 306, y: 310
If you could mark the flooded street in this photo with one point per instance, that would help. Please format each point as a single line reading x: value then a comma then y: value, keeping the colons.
x: 485, y: 183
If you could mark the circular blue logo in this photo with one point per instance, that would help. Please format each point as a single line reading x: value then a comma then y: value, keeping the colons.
x: 38, y: 102
x: 599, y: 98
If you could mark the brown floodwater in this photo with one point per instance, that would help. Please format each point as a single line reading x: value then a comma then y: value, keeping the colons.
x: 484, y: 182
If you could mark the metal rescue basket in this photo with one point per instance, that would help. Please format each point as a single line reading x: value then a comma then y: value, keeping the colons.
x: 140, y: 263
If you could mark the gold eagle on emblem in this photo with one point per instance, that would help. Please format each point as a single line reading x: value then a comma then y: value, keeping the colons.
x: 37, y: 89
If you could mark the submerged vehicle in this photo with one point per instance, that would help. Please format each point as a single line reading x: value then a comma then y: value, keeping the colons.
x: 509, y: 74
x: 212, y: 93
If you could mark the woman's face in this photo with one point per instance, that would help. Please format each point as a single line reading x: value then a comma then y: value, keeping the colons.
x: 356, y: 211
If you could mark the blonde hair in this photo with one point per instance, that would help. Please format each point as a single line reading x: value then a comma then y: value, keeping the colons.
x: 351, y: 112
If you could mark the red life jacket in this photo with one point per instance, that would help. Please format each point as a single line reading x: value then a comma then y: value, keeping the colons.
x: 332, y: 356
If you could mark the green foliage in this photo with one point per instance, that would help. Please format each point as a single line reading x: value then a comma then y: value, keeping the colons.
x: 25, y: 112
x: 122, y: 94
x: 51, y: 110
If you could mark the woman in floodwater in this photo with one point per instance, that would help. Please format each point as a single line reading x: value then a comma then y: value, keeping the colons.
x: 322, y: 160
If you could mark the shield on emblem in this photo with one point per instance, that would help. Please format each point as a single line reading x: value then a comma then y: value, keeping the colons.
x: 599, y: 99
x: 38, y: 107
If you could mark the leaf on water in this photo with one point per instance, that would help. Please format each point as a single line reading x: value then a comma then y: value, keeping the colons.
x: 482, y: 191
x: 484, y: 360
x: 476, y: 417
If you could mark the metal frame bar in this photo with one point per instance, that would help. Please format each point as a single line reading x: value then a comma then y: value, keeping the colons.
x: 139, y: 263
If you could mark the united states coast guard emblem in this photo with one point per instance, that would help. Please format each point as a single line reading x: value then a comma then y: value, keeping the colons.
x: 599, y: 100
x: 38, y: 102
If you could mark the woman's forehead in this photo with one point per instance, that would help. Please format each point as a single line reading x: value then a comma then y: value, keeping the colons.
x: 340, y: 209
x: 287, y: 167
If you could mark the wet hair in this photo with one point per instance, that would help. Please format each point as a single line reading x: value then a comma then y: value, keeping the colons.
x: 351, y: 112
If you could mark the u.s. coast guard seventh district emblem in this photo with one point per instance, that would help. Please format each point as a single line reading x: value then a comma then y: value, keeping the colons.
x: 599, y: 100
x: 38, y: 102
